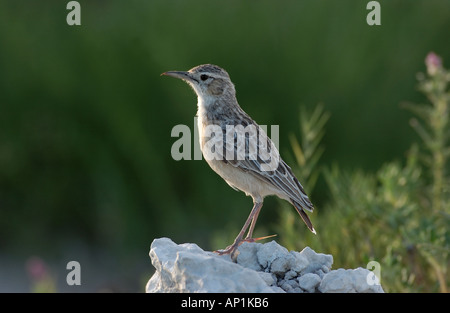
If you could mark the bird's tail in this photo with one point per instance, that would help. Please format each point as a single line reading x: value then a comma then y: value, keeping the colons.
x: 304, y: 217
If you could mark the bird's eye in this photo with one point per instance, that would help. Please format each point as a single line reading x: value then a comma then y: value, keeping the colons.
x: 204, y: 77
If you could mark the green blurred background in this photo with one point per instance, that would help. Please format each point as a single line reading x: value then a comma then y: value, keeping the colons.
x: 86, y: 172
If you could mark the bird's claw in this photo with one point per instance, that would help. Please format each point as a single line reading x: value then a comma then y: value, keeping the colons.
x: 256, y: 239
x: 231, y: 249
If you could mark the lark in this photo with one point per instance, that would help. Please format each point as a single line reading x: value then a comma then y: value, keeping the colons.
x: 239, y: 150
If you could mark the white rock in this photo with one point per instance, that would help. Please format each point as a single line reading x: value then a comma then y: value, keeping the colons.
x: 247, y: 256
x: 187, y: 268
x: 270, y: 251
x: 363, y: 281
x: 277, y: 289
x: 269, y: 278
x: 265, y: 267
x: 301, y: 262
x: 290, y: 274
x: 282, y: 264
x: 345, y: 281
x: 289, y: 285
x: 316, y: 261
x: 309, y: 282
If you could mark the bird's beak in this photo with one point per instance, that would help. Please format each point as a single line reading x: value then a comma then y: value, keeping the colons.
x: 178, y: 74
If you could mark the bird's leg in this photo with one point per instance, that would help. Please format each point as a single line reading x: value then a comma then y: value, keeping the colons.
x: 249, y: 237
x: 252, y: 225
x: 231, y: 249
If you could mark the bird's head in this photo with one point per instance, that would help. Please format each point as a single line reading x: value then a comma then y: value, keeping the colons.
x: 207, y: 80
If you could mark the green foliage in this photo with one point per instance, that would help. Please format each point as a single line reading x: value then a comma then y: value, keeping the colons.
x: 308, y: 154
x: 398, y: 216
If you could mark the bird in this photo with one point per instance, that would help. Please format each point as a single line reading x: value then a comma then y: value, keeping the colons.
x: 248, y: 161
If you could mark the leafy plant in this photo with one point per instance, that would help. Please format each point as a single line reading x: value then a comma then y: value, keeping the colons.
x: 398, y: 216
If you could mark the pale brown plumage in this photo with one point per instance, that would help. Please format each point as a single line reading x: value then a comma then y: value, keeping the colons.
x: 258, y: 175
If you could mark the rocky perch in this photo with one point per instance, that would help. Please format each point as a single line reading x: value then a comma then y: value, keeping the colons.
x: 259, y: 267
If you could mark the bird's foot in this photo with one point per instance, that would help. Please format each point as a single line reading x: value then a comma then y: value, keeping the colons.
x: 232, y: 249
x: 227, y: 250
